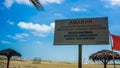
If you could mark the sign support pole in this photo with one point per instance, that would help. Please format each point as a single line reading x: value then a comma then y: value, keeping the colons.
x: 80, y: 56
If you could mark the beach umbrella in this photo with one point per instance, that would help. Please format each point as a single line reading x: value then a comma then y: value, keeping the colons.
x: 9, y: 53
x: 105, y: 56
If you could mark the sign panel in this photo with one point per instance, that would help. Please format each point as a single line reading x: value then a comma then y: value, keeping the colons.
x: 86, y: 31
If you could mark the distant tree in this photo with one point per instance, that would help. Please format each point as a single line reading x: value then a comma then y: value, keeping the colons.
x: 104, y: 56
x: 36, y: 60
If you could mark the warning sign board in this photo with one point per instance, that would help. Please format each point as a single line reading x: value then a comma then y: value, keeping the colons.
x: 86, y: 31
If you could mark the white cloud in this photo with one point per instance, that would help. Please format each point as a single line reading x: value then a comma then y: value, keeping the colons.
x: 51, y: 1
x: 36, y: 27
x: 58, y: 15
x: 19, y: 36
x: 27, y: 2
x: 40, y: 30
x: 9, y: 3
x: 110, y: 3
x: 39, y: 34
x: 115, y: 2
x: 37, y: 42
x: 52, y: 26
x: 76, y: 9
x: 5, y: 42
x: 10, y: 22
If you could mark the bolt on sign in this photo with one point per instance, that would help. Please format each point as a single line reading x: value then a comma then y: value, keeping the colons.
x: 86, y: 31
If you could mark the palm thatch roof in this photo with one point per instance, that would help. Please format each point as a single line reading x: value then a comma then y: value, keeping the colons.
x: 9, y: 53
x: 104, y: 54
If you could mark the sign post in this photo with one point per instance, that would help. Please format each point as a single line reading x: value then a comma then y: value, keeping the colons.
x: 79, y: 56
x: 84, y: 31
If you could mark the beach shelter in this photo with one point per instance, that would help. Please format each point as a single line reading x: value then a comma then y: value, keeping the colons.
x: 9, y: 53
x: 104, y: 56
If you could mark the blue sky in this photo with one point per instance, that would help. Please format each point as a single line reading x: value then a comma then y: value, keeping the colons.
x: 31, y: 32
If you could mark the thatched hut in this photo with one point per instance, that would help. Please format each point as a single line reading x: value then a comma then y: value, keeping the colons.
x: 105, y: 56
x: 9, y: 53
